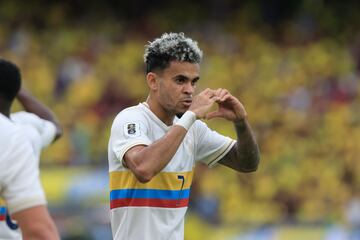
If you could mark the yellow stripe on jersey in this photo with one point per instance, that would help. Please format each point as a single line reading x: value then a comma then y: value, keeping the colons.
x: 2, y: 202
x: 163, y: 180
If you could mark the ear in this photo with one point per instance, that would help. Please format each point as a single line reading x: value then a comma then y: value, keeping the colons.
x: 152, y: 80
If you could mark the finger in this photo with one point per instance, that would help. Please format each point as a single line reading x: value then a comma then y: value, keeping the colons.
x: 217, y: 94
x: 207, y: 92
x: 212, y: 115
x: 203, y: 92
x: 225, y: 97
x: 215, y: 98
x: 210, y: 93
x: 223, y: 93
x: 218, y: 91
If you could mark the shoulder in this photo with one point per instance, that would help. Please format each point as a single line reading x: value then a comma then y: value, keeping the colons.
x: 23, y: 117
x: 30, y: 125
x: 7, y: 128
x: 12, y: 141
x: 31, y: 120
x: 137, y: 109
x: 134, y: 113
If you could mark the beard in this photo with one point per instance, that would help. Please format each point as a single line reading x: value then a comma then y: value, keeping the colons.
x: 179, y: 115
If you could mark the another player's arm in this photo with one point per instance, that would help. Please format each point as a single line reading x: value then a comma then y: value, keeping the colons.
x: 147, y: 161
x: 36, y: 224
x: 245, y: 154
x: 23, y: 192
x: 31, y: 104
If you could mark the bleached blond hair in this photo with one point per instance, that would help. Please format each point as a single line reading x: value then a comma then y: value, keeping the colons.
x: 171, y: 47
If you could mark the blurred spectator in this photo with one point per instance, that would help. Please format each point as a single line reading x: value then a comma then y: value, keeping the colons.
x: 18, y: 42
x: 71, y: 69
x: 114, y: 98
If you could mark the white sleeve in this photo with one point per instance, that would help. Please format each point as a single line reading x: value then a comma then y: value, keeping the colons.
x: 128, y: 130
x: 46, y: 129
x: 210, y: 145
x: 21, y: 187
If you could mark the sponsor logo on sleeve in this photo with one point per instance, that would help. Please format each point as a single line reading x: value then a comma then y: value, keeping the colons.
x: 132, y: 129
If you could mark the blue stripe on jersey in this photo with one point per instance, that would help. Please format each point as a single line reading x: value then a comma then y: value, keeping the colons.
x: 149, y: 193
x: 2, y: 210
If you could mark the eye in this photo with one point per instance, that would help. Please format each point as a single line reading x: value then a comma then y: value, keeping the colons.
x: 180, y: 80
x: 193, y: 82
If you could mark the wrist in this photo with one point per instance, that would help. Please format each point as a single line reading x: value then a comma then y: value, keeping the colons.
x: 240, y: 121
x: 240, y: 117
x: 187, y: 120
x: 195, y: 112
x: 241, y: 124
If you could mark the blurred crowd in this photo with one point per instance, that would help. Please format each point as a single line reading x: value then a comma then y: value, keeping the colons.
x: 298, y: 81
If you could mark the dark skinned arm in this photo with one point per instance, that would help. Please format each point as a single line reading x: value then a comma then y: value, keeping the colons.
x: 31, y: 104
x: 244, y: 155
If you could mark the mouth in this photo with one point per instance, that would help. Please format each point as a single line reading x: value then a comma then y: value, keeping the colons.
x: 186, y: 102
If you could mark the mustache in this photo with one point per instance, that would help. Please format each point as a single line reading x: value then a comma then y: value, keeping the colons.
x: 186, y: 99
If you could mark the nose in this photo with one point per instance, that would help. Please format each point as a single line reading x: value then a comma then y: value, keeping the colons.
x: 188, y: 88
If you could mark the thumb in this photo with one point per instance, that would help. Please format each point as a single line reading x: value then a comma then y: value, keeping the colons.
x: 212, y: 115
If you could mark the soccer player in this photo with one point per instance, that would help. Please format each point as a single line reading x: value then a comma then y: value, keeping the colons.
x: 22, y: 136
x: 152, y: 152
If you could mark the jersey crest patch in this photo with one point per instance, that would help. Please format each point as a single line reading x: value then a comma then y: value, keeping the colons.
x: 132, y: 129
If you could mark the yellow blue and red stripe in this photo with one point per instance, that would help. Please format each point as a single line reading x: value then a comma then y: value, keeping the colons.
x: 165, y: 190
x: 2, y: 213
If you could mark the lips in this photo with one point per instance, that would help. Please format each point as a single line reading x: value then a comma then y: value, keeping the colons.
x: 186, y: 102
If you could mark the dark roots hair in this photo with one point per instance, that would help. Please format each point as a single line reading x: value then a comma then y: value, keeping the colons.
x: 10, y: 80
x: 171, y: 47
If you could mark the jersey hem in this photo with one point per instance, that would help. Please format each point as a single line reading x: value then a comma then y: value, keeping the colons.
x: 218, y: 158
x: 133, y: 144
x: 17, y: 206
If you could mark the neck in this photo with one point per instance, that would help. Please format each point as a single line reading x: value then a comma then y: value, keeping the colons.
x: 5, y: 110
x: 160, y: 112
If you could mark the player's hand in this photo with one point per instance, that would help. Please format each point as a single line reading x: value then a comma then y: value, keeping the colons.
x: 202, y: 102
x: 229, y: 108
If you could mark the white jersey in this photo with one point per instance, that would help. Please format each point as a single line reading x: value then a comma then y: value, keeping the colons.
x: 155, y: 210
x: 38, y: 131
x: 22, y: 137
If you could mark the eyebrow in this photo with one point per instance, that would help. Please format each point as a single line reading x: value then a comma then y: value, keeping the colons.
x: 180, y: 76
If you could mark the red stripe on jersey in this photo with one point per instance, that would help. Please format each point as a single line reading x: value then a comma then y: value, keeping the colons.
x: 2, y: 217
x: 148, y: 202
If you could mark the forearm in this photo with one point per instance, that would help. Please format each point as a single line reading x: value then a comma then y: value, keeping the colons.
x: 245, y: 155
x: 150, y: 160
x: 248, y: 153
x: 40, y: 231
x: 36, y: 223
x: 31, y: 104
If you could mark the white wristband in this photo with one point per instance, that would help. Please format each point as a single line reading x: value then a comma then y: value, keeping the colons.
x: 186, y: 120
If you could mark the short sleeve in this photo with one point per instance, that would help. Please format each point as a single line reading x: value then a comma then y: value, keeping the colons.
x: 21, y: 187
x: 128, y: 130
x: 210, y: 145
x: 45, y: 129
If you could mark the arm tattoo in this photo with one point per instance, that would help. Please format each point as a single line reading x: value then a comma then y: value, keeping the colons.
x: 245, y: 155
